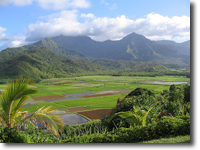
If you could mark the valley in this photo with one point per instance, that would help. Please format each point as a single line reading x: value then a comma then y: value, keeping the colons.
x: 85, y: 81
x: 76, y: 95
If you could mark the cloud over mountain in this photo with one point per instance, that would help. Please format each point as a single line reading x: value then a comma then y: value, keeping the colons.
x: 153, y: 26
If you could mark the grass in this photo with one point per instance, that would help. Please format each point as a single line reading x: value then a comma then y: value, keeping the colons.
x: 103, y: 105
x: 52, y: 104
x: 95, y: 83
x: 115, y: 97
x: 178, y: 139
x: 85, y: 101
x: 30, y: 109
x: 102, y: 83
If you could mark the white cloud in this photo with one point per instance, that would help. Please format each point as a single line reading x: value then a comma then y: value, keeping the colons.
x: 15, y: 41
x: 50, y: 4
x: 89, y: 15
x: 7, y: 41
x: 153, y: 26
x: 3, y: 36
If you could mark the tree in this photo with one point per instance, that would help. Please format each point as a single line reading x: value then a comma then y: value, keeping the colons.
x: 172, y: 88
x: 135, y: 118
x: 12, y: 101
x: 179, y: 97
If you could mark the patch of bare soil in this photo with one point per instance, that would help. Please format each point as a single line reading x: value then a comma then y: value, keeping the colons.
x: 76, y: 109
x: 96, y: 114
x: 88, y: 96
x: 48, y: 97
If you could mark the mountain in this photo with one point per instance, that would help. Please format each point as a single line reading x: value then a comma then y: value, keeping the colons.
x: 132, y: 47
x: 38, y: 62
x: 49, y: 43
x: 183, y: 48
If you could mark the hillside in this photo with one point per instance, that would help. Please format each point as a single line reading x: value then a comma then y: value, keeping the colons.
x: 132, y: 47
x: 39, y: 62
x: 49, y: 43
x: 183, y: 48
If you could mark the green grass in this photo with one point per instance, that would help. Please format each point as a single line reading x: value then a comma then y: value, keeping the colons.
x: 178, y: 139
x: 99, y: 83
x: 103, y: 105
x: 115, y: 97
x: 30, y: 109
x: 85, y: 101
x: 102, y: 83
x: 52, y: 104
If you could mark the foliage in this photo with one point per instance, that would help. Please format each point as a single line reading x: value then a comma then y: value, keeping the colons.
x: 13, y: 136
x: 165, y: 127
x: 12, y: 101
x: 140, y: 91
x: 135, y: 118
x: 47, y: 59
x: 143, y: 102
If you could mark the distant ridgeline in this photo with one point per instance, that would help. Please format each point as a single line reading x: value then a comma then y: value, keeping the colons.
x: 66, y: 56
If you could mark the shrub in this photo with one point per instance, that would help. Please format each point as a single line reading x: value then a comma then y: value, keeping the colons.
x: 164, y: 127
x: 12, y: 136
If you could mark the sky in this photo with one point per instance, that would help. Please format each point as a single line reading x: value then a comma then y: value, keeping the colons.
x: 27, y: 21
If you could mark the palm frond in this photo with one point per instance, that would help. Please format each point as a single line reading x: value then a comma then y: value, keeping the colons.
x: 144, y: 119
x: 13, y: 98
x: 44, y: 117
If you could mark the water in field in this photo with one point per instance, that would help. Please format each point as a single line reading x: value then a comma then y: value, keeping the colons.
x: 69, y: 119
x: 73, y: 119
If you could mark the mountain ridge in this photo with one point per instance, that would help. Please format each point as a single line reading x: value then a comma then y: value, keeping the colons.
x: 132, y: 47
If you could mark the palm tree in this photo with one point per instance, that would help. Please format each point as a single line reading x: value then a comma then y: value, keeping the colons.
x: 138, y: 117
x: 12, y: 101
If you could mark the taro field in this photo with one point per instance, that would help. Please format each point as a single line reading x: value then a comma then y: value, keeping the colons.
x: 92, y: 97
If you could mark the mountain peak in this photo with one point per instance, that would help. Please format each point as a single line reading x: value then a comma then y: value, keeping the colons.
x: 135, y: 36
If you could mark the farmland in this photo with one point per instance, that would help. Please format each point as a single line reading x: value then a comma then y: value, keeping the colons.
x: 91, y: 92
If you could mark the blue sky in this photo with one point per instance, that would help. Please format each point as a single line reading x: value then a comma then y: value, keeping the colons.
x: 27, y: 21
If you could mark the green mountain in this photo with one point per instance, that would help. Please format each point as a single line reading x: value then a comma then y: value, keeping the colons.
x: 49, y: 43
x: 132, y: 47
x: 39, y: 62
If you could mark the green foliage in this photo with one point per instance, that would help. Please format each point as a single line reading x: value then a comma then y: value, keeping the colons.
x: 46, y: 59
x: 13, y: 136
x: 136, y: 117
x: 140, y: 91
x: 165, y: 127
x: 12, y: 101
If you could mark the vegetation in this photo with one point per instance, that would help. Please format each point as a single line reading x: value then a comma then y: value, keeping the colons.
x: 48, y: 59
x: 126, y: 69
x: 140, y: 110
x: 11, y: 106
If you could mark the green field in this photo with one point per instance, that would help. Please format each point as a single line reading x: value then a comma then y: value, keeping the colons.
x: 95, y: 84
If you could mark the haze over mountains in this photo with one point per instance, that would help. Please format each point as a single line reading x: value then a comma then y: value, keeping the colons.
x: 61, y: 55
x: 132, y: 47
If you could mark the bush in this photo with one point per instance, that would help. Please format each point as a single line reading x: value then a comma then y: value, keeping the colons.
x: 12, y: 136
x: 140, y: 91
x: 164, y: 127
